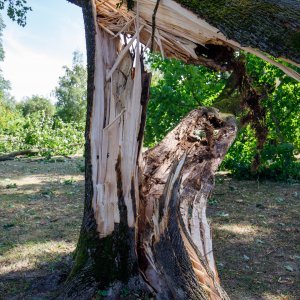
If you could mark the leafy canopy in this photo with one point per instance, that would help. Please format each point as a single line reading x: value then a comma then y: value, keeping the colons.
x: 71, y: 91
x: 35, y: 104
x: 178, y: 88
x: 16, y: 10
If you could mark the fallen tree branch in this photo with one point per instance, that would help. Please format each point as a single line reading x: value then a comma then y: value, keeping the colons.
x: 13, y: 155
x: 35, y: 151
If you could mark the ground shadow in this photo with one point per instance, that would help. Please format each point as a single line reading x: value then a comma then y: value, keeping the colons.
x: 256, y: 238
x: 41, y: 210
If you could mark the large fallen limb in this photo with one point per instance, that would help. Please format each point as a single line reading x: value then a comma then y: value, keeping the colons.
x: 182, y: 28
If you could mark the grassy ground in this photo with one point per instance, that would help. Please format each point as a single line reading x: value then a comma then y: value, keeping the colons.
x: 41, y: 204
x: 255, y: 228
x: 256, y: 238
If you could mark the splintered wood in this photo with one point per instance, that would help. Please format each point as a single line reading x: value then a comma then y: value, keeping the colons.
x: 178, y: 31
x: 115, y: 127
x: 178, y: 179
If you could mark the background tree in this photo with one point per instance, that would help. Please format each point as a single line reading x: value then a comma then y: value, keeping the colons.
x: 16, y: 10
x: 4, y: 84
x: 36, y: 103
x: 177, y: 88
x: 8, y: 112
x: 31, y: 124
x: 71, y: 91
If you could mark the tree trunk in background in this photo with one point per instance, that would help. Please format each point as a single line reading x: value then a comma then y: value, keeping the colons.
x: 144, y: 231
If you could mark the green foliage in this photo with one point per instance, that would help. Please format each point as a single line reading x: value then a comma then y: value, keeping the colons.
x: 71, y: 91
x: 282, y: 102
x: 4, y: 84
x: 50, y: 135
x: 16, y: 10
x: 7, y: 104
x: 240, y: 156
x: 277, y: 158
x: 176, y: 90
x: 69, y: 181
x: 35, y: 104
x: 277, y: 161
x: 32, y: 124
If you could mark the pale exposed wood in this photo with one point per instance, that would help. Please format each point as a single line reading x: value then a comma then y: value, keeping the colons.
x: 178, y: 30
x: 288, y: 71
x: 122, y: 54
x: 114, y: 129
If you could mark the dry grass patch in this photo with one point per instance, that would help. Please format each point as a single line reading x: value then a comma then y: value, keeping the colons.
x: 41, y: 209
x: 256, y: 229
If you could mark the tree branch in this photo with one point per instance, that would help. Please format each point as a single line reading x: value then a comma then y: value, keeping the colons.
x: 76, y: 2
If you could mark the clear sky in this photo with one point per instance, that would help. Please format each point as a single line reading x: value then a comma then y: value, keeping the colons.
x: 35, y: 54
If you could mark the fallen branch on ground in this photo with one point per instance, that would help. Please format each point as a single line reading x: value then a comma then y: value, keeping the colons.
x: 13, y: 155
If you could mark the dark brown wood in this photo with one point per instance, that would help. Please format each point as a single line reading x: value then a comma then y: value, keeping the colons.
x: 13, y: 155
x: 77, y: 2
x: 169, y: 207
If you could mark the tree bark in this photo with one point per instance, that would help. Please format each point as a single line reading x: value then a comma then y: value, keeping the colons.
x: 106, y: 252
x: 145, y: 232
x: 175, y: 238
x: 144, y: 229
x: 269, y: 25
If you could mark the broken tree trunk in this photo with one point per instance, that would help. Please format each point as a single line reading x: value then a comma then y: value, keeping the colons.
x: 174, y: 235
x: 144, y: 229
x: 145, y: 232
x: 134, y: 221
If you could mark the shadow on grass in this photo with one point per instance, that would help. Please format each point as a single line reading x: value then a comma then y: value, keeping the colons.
x: 39, y: 223
x: 256, y: 238
x: 41, y: 282
x: 255, y: 229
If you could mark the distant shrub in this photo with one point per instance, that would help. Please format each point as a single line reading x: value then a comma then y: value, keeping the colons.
x: 277, y: 161
x: 51, y: 136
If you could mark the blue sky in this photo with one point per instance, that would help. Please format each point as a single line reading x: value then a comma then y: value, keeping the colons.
x: 35, y: 54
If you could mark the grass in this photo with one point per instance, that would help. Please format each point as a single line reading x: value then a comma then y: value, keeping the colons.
x: 255, y: 228
x: 256, y: 238
x: 40, y: 218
